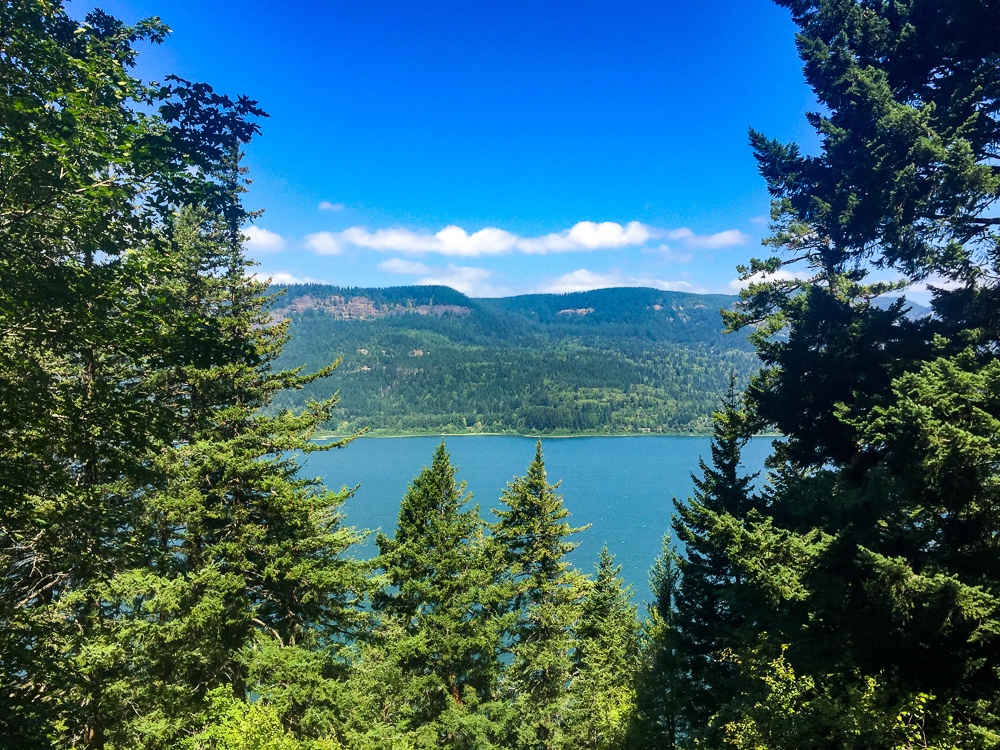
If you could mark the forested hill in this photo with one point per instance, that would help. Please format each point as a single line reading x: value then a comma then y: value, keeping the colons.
x: 430, y: 359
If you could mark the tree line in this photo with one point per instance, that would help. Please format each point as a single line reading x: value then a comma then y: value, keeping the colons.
x: 169, y: 578
x: 412, y: 374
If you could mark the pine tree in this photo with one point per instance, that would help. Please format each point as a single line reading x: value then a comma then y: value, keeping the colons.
x: 659, y: 678
x: 707, y: 616
x: 154, y: 527
x: 437, y: 613
x: 878, y: 535
x: 544, y: 599
x: 605, y: 658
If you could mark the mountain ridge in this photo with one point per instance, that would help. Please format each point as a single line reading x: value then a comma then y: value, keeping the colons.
x: 429, y: 359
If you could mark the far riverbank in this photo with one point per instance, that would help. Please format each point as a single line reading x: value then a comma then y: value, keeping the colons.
x: 533, y: 436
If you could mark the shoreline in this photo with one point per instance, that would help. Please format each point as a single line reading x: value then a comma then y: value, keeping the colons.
x: 332, y: 436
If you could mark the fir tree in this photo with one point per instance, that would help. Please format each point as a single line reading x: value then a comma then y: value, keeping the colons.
x: 544, y: 600
x: 699, y: 609
x: 875, y: 547
x: 94, y: 164
x: 707, y: 615
x: 659, y: 678
x: 437, y: 613
x: 605, y: 658
x: 154, y: 527
x: 243, y: 554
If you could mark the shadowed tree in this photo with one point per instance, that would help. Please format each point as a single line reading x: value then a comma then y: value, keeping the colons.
x: 606, y: 658
x: 875, y: 547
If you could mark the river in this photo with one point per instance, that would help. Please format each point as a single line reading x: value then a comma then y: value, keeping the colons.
x: 622, y: 486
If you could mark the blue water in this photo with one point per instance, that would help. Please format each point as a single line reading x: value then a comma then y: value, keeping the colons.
x: 621, y: 486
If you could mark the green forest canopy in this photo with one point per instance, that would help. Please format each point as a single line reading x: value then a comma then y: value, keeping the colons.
x: 429, y: 359
x: 170, y: 580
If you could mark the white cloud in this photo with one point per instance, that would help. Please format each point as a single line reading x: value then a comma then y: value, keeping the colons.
x: 580, y: 280
x: 399, y: 240
x: 280, y: 277
x: 583, y: 280
x: 921, y: 292
x: 717, y: 241
x: 588, y: 235
x: 669, y: 255
x: 935, y: 282
x: 468, y: 280
x: 674, y: 286
x: 260, y: 240
x: 398, y: 265
x: 454, y: 241
x: 327, y: 206
x: 324, y: 243
x: 451, y: 240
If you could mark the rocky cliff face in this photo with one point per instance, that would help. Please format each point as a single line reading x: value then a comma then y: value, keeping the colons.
x: 361, y: 308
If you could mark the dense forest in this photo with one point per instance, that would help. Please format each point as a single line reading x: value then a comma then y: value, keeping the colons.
x: 429, y: 359
x: 171, y: 580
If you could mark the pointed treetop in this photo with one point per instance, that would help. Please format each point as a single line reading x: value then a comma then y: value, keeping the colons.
x: 536, y: 471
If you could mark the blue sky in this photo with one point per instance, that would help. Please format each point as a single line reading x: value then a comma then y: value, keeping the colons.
x: 500, y: 148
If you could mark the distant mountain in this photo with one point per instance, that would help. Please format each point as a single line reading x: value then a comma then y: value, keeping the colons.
x: 430, y: 359
x: 913, y: 310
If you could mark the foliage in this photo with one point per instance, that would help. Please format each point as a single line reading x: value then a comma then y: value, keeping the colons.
x: 437, y: 612
x: 154, y: 524
x: 489, y: 640
x: 782, y: 709
x: 605, y: 658
x: 544, y: 598
x: 237, y: 725
x: 706, y: 605
x: 658, y: 677
x: 238, y: 544
x: 874, y: 547
x: 170, y: 579
x: 639, y: 360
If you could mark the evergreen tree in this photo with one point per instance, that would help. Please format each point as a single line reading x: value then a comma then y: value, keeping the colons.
x: 605, y: 658
x: 71, y: 413
x: 659, y: 678
x: 93, y: 164
x: 876, y: 546
x: 153, y: 525
x: 437, y: 614
x: 243, y: 555
x: 701, y: 612
x: 544, y: 599
x: 707, y: 617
